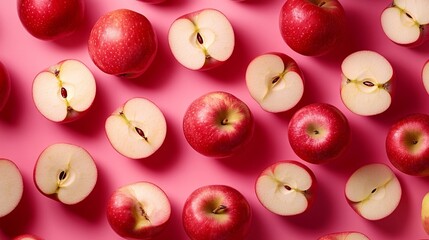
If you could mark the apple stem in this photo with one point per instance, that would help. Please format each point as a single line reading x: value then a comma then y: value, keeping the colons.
x: 141, y: 133
x: 224, y: 121
x: 219, y: 209
x: 322, y: 3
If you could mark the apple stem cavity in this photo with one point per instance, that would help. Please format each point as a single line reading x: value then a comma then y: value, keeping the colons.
x: 219, y: 209
x: 224, y: 121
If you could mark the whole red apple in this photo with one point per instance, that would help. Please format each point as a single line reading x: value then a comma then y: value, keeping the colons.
x: 312, y: 27
x: 216, y: 212
x: 5, y: 86
x: 218, y: 124
x: 51, y: 19
x: 407, y: 144
x: 318, y: 132
x: 123, y: 43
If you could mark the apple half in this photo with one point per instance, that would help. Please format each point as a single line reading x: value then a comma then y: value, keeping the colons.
x: 275, y: 82
x: 373, y: 191
x: 406, y: 22
x: 65, y: 172
x: 366, y: 85
x: 11, y: 186
x: 202, y: 39
x: 138, y: 210
x: 350, y: 235
x: 425, y: 76
x: 137, y: 129
x: 286, y: 188
x: 64, y: 91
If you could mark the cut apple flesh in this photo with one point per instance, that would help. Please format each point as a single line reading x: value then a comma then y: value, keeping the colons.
x: 64, y: 90
x: 399, y: 26
x: 207, y: 35
x: 374, y: 191
x: 366, y: 83
x: 425, y: 212
x: 425, y: 76
x: 11, y: 187
x: 282, y: 190
x: 138, y: 129
x: 66, y: 170
x: 272, y: 84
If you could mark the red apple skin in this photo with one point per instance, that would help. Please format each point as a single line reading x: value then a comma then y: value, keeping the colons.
x: 51, y: 19
x: 407, y: 144
x: 312, y: 27
x: 201, y: 223
x: 121, y: 212
x: 27, y: 237
x: 123, y: 43
x: 319, y: 133
x: 218, y: 124
x: 5, y: 86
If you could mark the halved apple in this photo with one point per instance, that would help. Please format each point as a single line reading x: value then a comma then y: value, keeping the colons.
x: 373, y: 191
x: 350, y: 235
x: 406, y: 22
x: 137, y: 129
x: 286, y: 188
x: 275, y: 81
x: 202, y: 39
x: 11, y: 186
x: 65, y: 172
x: 366, y: 86
x: 64, y: 91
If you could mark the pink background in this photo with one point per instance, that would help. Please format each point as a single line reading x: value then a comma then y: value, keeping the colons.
x: 176, y: 167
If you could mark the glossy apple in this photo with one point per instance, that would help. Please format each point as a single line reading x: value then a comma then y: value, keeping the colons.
x: 123, y: 43
x: 65, y: 91
x: 373, y: 191
x: 407, y: 144
x: 65, y: 172
x: 367, y: 83
x: 312, y: 27
x: 216, y: 212
x: 275, y: 81
x: 137, y: 129
x: 138, y: 210
x: 218, y: 124
x: 201, y: 40
x: 406, y: 22
x: 11, y: 186
x: 350, y: 235
x: 51, y: 19
x: 5, y: 86
x: 319, y: 133
x: 286, y: 188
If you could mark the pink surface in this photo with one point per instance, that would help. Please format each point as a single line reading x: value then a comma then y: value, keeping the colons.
x: 177, y: 168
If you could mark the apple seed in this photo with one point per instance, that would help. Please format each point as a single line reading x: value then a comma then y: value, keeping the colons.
x: 200, y: 38
x: 287, y: 187
x: 368, y: 83
x: 141, y: 133
x: 63, y: 92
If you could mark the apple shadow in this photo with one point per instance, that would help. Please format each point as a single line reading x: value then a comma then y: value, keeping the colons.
x: 80, y: 37
x: 253, y: 157
x: 16, y: 222
x: 93, y: 207
x: 174, y: 227
x: 394, y: 224
x: 318, y: 216
x: 257, y: 230
x: 12, y: 111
